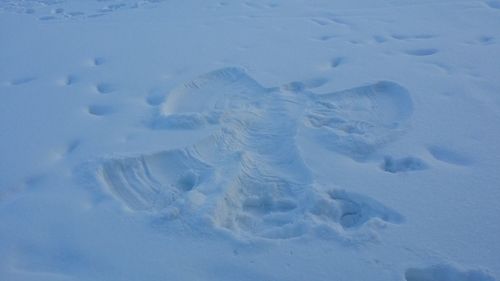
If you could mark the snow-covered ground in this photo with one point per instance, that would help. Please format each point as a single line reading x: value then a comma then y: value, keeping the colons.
x: 250, y: 140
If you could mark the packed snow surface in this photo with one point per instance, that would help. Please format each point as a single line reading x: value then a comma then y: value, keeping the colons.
x: 250, y: 140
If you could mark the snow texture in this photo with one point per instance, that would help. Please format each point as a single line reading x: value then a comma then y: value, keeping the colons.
x: 249, y: 140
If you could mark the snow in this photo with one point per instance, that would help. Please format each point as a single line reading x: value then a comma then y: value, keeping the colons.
x: 249, y: 140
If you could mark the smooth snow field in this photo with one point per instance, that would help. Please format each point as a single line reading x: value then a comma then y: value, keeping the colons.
x: 268, y: 140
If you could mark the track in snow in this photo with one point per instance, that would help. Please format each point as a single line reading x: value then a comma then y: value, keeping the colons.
x: 248, y: 175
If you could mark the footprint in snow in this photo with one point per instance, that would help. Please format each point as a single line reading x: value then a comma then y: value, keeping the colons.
x: 421, y: 52
x: 98, y: 61
x: 104, y: 88
x: 22, y: 80
x: 68, y: 80
x: 100, y: 110
x: 95, y: 62
x: 449, y: 156
x: 493, y: 4
x: 336, y: 62
x: 405, y: 164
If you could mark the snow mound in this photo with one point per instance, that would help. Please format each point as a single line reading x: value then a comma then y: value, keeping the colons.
x: 443, y: 272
